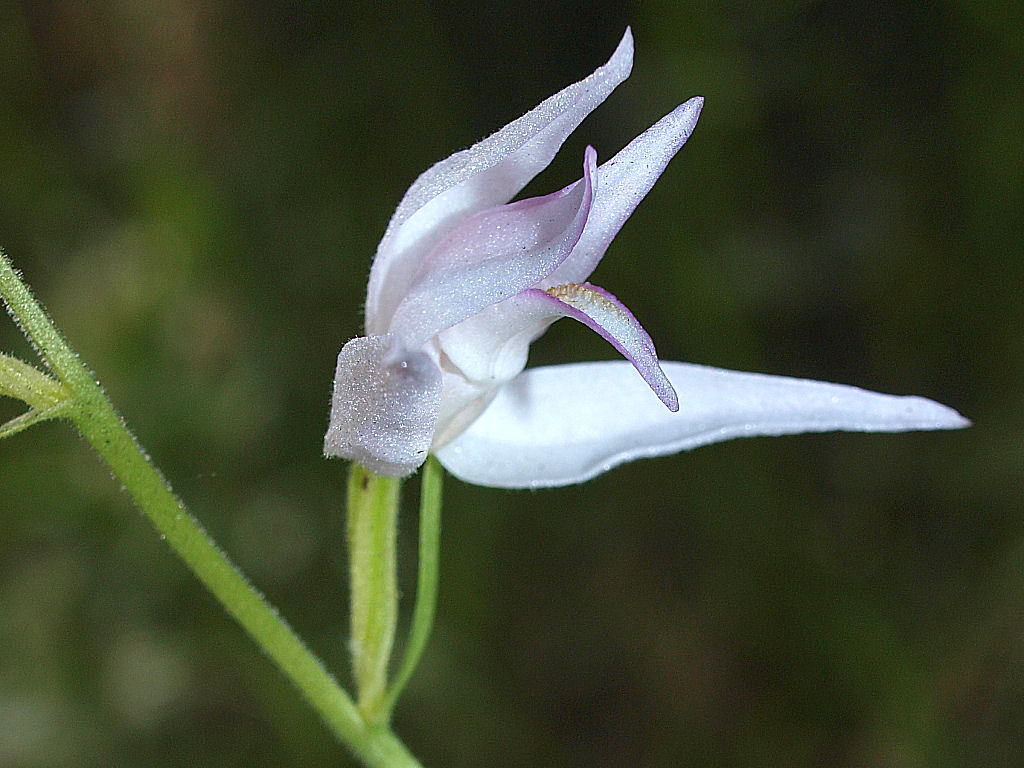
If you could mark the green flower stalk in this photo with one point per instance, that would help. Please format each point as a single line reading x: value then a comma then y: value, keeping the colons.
x: 372, y: 537
x: 373, y: 574
x: 74, y: 394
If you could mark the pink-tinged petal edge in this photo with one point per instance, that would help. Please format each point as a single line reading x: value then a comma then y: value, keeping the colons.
x: 622, y: 183
x: 489, y: 173
x: 565, y: 424
x: 602, y: 312
x: 493, y: 256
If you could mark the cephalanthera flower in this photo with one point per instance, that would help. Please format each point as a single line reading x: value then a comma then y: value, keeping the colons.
x: 464, y: 281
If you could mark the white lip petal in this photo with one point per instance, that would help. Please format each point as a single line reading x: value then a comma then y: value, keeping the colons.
x: 489, y: 173
x: 565, y: 424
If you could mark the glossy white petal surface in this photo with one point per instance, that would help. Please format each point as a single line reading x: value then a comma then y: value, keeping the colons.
x: 383, y: 416
x: 622, y: 183
x: 493, y: 256
x: 489, y: 173
x: 565, y: 424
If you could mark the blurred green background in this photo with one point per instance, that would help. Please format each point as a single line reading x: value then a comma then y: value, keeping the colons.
x: 195, y: 189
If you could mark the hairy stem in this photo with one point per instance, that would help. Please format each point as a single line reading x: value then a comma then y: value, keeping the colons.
x: 100, y: 425
x: 426, y: 584
x: 373, y: 574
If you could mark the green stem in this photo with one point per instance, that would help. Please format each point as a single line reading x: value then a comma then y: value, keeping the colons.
x: 101, y: 426
x: 33, y: 417
x: 34, y: 388
x: 426, y: 584
x: 373, y: 574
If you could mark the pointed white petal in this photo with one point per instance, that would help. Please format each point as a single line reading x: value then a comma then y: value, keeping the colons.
x: 383, y: 416
x: 493, y: 256
x: 493, y: 344
x: 489, y: 173
x: 622, y: 183
x: 565, y: 424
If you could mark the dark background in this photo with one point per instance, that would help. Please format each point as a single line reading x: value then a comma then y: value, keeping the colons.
x: 195, y: 189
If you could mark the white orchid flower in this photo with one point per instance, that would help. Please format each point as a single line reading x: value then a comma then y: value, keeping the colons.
x: 464, y: 281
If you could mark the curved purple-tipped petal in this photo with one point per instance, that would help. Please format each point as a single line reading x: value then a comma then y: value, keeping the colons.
x: 383, y: 416
x: 565, y: 424
x: 493, y: 256
x: 602, y: 312
x: 492, y: 346
x: 489, y: 173
x: 622, y: 183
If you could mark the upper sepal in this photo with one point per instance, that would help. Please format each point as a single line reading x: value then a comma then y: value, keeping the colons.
x: 622, y: 184
x: 487, y: 174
